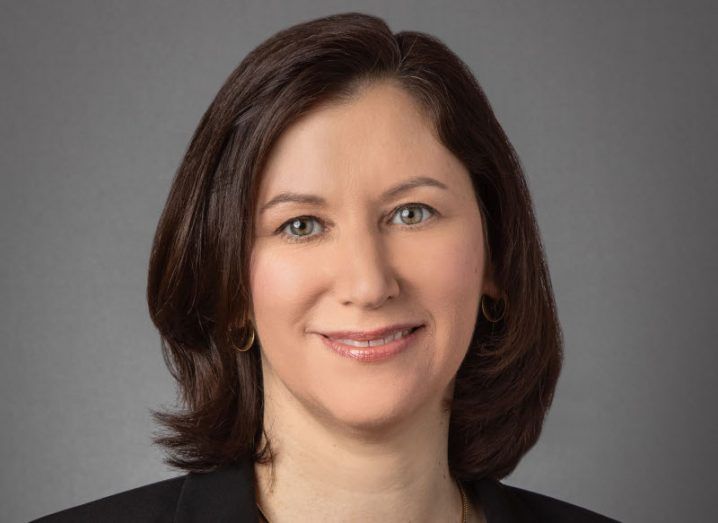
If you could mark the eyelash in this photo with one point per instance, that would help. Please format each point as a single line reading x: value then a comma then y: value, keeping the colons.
x: 301, y: 239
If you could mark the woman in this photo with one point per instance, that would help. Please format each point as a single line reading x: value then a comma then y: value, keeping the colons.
x: 351, y: 292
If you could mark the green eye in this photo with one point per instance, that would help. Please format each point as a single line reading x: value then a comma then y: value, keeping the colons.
x: 409, y: 212
x: 295, y: 225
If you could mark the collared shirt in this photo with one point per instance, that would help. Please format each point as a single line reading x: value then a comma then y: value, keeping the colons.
x: 227, y: 496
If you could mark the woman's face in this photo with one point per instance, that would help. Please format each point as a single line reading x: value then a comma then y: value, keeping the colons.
x: 363, y: 260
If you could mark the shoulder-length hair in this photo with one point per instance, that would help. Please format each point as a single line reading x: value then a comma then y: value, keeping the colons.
x: 198, y: 285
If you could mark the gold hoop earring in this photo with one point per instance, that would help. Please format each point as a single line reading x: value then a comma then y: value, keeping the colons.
x: 503, y: 300
x: 248, y: 345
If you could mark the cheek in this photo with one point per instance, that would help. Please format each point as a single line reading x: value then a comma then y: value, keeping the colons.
x: 280, y: 287
x: 450, y: 275
x: 449, y: 281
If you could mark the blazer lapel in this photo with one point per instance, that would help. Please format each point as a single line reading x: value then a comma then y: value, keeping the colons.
x: 225, y: 495
x: 498, y: 503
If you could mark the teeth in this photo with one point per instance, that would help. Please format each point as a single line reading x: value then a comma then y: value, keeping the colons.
x: 374, y: 343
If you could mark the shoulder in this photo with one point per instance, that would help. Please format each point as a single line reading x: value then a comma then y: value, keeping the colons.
x: 545, y: 508
x: 155, y: 502
x: 502, y: 502
x: 224, y: 494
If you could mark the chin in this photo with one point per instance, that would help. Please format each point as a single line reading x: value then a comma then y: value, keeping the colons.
x: 368, y: 411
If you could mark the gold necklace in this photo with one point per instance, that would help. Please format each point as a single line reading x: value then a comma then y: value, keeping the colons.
x: 464, y: 505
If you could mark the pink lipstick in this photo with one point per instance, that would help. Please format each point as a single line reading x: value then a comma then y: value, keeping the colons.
x: 377, y: 350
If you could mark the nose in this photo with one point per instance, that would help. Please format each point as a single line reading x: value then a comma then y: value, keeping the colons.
x: 365, y: 275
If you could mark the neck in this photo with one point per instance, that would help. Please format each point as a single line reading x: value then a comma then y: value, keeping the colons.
x: 325, y: 472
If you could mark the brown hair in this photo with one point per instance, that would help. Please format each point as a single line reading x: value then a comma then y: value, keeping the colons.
x: 198, y: 290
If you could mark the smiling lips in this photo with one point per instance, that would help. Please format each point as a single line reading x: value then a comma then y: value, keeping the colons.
x: 375, y: 342
x: 378, y: 336
x: 376, y: 349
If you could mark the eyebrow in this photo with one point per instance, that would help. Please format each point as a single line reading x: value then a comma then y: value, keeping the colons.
x: 394, y: 192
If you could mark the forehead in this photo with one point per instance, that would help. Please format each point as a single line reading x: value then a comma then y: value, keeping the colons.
x: 378, y: 137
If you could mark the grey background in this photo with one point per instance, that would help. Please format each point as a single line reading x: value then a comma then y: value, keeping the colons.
x: 611, y: 106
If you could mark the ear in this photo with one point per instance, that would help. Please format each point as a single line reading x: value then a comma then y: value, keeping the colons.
x: 489, y: 287
x: 489, y: 284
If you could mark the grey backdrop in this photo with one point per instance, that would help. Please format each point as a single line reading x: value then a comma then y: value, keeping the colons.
x: 611, y: 106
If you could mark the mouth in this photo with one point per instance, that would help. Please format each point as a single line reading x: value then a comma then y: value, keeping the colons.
x: 374, y: 350
x: 365, y: 340
x: 376, y: 335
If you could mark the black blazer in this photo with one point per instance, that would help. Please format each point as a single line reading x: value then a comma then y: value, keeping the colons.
x: 227, y: 496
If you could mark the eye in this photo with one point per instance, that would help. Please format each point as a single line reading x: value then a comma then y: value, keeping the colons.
x: 295, y: 224
x: 299, y: 232
x: 409, y: 213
